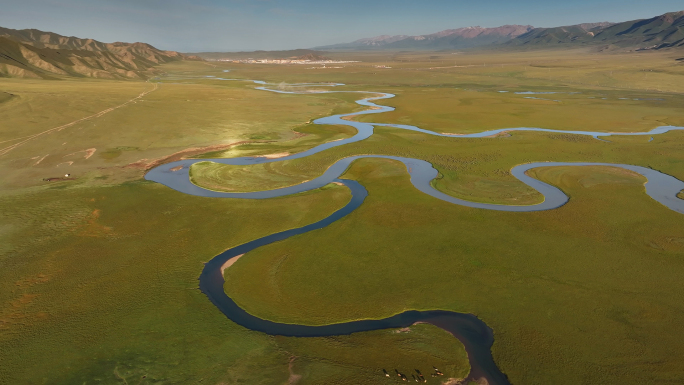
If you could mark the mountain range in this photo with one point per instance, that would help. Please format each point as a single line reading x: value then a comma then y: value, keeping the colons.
x: 448, y: 39
x: 38, y: 54
x: 664, y: 31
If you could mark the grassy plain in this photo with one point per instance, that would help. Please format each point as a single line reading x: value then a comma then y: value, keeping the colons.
x: 472, y: 169
x: 582, y: 283
x: 449, y: 93
x: 98, y: 274
x: 172, y: 118
x: 588, y: 293
x: 98, y: 287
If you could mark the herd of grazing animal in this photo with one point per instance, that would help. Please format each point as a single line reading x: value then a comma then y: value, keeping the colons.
x: 418, y: 377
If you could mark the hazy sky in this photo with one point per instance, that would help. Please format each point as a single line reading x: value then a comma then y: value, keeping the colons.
x: 230, y: 25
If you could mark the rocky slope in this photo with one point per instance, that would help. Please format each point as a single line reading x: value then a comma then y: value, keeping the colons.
x: 34, y: 53
x: 660, y: 32
x: 664, y: 31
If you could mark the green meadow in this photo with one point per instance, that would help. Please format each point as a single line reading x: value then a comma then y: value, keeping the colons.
x: 591, y: 283
x: 98, y: 270
x: 87, y: 298
x: 476, y: 169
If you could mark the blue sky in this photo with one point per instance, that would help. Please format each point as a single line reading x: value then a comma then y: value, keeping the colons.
x: 230, y: 25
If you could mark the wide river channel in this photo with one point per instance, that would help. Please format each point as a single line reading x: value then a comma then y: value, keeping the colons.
x: 475, y: 335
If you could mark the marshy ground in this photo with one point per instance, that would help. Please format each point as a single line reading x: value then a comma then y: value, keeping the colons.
x: 98, y: 274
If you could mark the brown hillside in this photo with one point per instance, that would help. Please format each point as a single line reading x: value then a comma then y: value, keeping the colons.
x: 34, y: 53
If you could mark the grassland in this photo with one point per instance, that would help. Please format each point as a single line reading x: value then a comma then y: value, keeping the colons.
x: 172, y: 118
x: 472, y: 169
x: 87, y: 298
x: 99, y: 287
x: 465, y: 111
x: 595, y: 288
x: 466, y: 99
x: 98, y: 274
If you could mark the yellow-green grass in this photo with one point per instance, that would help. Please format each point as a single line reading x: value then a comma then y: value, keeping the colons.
x: 38, y: 105
x: 214, y: 176
x: 434, y: 94
x: 648, y: 71
x: 472, y: 169
x: 452, y: 110
x: 587, y: 293
x: 440, y: 103
x: 173, y: 118
x: 458, y: 93
x: 100, y: 285
x: 5, y: 97
x: 310, y: 135
x: 575, y: 286
x: 359, y: 358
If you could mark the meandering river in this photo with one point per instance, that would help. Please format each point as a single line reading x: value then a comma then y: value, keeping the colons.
x: 475, y: 335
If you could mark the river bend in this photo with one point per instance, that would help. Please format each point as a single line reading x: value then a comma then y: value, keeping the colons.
x: 475, y: 335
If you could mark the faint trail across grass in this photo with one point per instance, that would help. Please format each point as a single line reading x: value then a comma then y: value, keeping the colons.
x: 60, y: 128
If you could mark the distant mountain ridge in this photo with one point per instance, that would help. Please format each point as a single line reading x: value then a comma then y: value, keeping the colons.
x: 380, y: 40
x: 659, y: 32
x: 39, y: 54
x: 35, y: 53
x: 664, y: 31
x: 451, y: 38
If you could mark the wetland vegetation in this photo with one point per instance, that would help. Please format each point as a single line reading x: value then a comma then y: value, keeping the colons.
x: 587, y: 293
